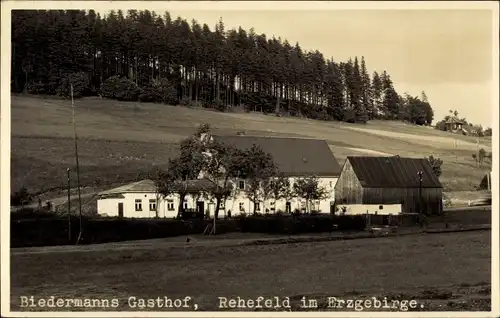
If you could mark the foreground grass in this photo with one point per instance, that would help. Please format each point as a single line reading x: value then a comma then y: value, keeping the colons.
x: 122, y: 142
x: 440, y: 271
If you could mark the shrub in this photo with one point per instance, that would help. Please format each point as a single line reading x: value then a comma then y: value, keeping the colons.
x: 164, y: 91
x: 184, y: 101
x: 440, y: 125
x: 147, y: 95
x: 322, y: 115
x: 349, y: 116
x: 120, y: 88
x: 481, y: 154
x: 21, y: 197
x: 447, y: 201
x: 81, y: 84
x: 220, y: 106
x: 36, y: 228
x: 36, y: 88
x: 436, y: 164
x: 32, y: 213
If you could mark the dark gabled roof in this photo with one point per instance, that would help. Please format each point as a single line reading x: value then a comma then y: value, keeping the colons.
x: 194, y: 186
x: 149, y: 186
x: 143, y: 186
x: 454, y: 120
x: 292, y: 156
x: 393, y: 172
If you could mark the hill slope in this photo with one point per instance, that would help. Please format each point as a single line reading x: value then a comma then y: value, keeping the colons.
x: 120, y: 142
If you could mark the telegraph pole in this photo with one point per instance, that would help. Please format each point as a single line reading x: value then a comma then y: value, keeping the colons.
x: 477, y: 149
x: 456, y: 148
x: 420, y: 174
x: 69, y: 206
x: 77, y: 168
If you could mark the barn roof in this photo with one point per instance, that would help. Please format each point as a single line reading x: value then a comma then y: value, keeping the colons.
x: 393, y: 172
x: 292, y: 156
x: 149, y: 186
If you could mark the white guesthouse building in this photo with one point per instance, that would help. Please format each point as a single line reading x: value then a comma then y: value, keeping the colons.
x: 294, y: 157
x: 141, y: 200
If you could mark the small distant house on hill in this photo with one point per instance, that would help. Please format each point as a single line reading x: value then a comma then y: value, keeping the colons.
x: 141, y: 200
x: 295, y: 158
x: 388, y: 185
x: 455, y: 125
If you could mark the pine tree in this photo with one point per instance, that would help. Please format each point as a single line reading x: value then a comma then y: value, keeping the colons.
x: 377, y: 95
x: 217, y: 68
x: 366, y: 95
x: 390, y: 98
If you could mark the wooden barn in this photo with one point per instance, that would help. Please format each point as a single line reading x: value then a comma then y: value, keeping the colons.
x: 388, y: 181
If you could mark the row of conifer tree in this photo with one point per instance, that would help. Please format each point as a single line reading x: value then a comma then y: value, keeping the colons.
x: 142, y: 55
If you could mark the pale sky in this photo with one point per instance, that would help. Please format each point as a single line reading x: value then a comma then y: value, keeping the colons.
x: 446, y: 53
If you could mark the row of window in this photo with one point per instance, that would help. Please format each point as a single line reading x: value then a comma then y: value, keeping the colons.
x: 241, y: 184
x: 152, y: 205
x: 170, y: 205
x: 272, y: 207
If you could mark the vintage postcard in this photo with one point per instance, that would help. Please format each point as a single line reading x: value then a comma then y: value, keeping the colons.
x: 185, y: 158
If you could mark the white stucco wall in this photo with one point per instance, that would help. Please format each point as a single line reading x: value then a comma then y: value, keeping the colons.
x: 109, y: 206
x: 383, y: 209
x: 233, y: 203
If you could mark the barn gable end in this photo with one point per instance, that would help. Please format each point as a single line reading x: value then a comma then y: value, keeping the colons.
x: 390, y: 180
x: 348, y: 189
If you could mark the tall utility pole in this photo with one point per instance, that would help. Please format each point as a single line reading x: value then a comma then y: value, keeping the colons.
x: 69, y: 206
x: 456, y: 148
x: 77, y: 168
x: 477, y: 148
x: 420, y: 174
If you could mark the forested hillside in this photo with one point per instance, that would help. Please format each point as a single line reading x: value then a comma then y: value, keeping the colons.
x: 140, y: 55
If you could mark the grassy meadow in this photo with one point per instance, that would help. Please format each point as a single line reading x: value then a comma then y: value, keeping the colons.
x: 120, y: 142
x: 396, y: 268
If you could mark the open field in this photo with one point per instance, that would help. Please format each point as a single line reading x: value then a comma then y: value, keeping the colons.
x: 440, y: 271
x: 121, y: 142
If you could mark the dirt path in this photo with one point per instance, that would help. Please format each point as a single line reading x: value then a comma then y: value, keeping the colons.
x: 54, y: 201
x: 369, y: 151
x: 447, y: 142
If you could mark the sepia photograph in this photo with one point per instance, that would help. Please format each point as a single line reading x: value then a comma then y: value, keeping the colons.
x: 255, y: 158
